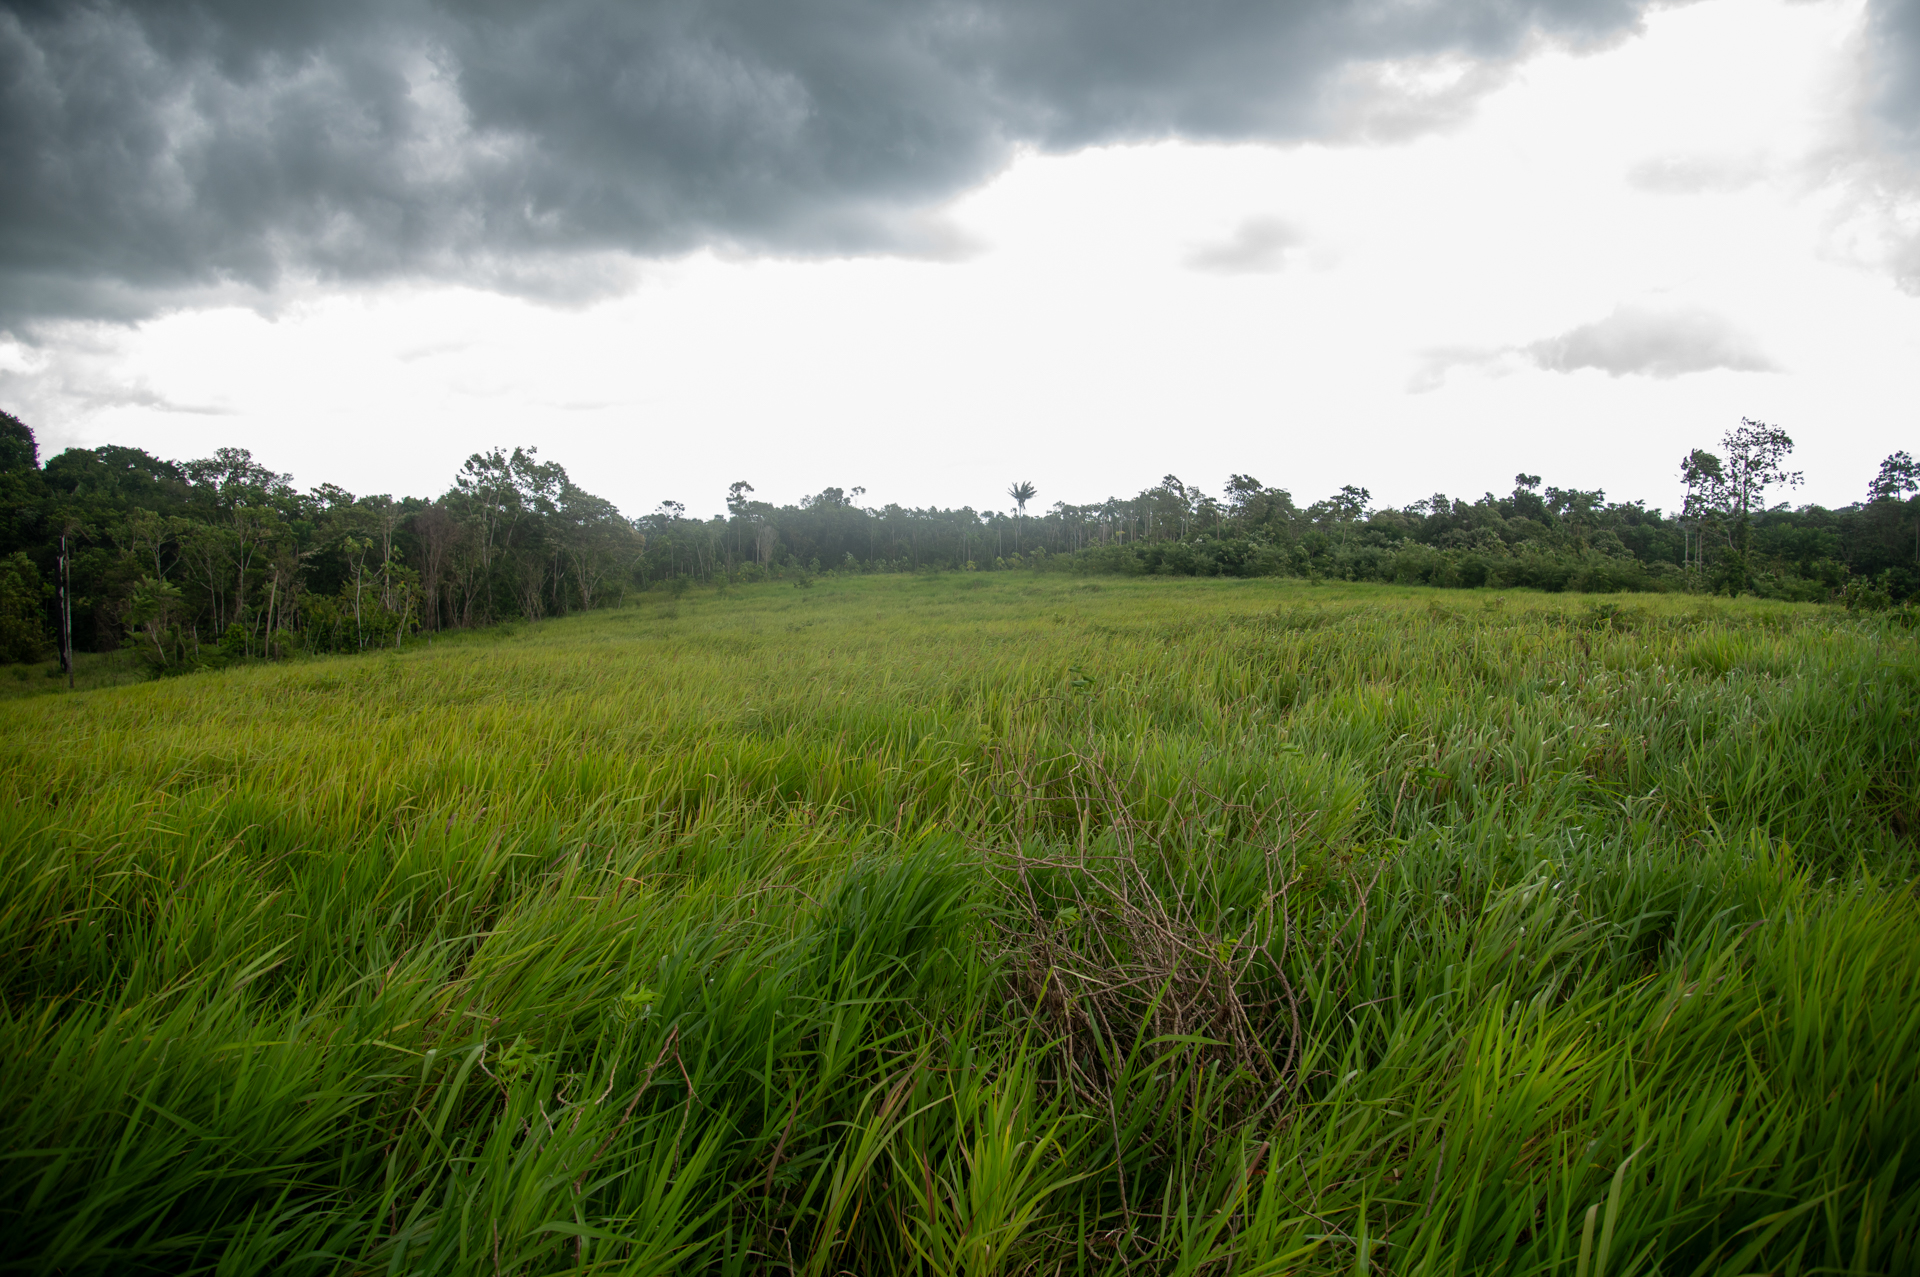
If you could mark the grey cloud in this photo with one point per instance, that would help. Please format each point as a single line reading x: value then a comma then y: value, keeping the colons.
x: 1258, y: 245
x: 1906, y: 265
x: 1393, y: 101
x: 1632, y: 341
x: 1887, y: 179
x: 72, y: 386
x: 1435, y: 363
x: 1893, y: 29
x: 159, y: 151
x: 1653, y: 343
x: 143, y: 396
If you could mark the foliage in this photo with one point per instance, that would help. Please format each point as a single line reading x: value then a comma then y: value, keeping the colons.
x: 155, y: 609
x: 23, y: 627
x: 18, y: 449
x: 514, y: 537
x: 1899, y: 476
x: 981, y: 924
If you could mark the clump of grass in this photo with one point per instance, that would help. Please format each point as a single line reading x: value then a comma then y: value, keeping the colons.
x: 961, y: 926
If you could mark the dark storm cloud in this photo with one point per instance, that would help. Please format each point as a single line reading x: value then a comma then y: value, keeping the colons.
x: 157, y: 150
x: 1653, y: 343
x: 1893, y: 30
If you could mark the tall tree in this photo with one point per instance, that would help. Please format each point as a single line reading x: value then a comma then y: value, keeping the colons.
x: 1350, y: 503
x: 1755, y: 460
x: 1021, y: 492
x: 1705, y: 481
x: 1899, y: 475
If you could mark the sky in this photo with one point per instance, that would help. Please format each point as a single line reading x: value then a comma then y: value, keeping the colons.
x: 931, y: 248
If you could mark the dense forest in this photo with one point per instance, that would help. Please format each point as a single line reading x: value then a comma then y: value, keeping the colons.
x: 221, y: 558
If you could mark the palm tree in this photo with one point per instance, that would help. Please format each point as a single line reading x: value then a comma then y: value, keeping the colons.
x: 1021, y: 492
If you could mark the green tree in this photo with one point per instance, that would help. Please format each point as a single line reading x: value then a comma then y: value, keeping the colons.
x: 23, y: 610
x: 593, y: 537
x: 154, y: 608
x: 1756, y: 460
x: 18, y: 448
x: 1899, y: 477
x: 1349, y: 505
x: 1021, y: 492
x: 1705, y: 481
x: 500, y: 492
x: 247, y: 499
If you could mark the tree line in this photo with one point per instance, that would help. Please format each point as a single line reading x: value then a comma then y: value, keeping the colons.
x: 221, y: 558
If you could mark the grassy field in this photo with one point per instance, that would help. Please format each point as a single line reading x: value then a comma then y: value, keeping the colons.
x: 979, y: 925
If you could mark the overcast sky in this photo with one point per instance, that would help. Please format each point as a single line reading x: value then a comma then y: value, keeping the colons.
x: 931, y: 247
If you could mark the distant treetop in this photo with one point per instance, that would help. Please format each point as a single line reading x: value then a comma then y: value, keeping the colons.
x: 18, y: 448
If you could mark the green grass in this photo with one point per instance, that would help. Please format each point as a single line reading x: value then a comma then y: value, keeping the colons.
x: 980, y: 925
x: 91, y: 671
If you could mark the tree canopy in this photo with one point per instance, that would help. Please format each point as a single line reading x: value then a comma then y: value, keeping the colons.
x: 223, y: 557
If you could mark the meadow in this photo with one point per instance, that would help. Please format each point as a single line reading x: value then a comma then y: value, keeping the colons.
x: 979, y: 924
